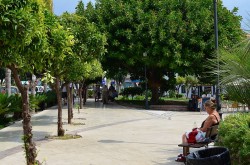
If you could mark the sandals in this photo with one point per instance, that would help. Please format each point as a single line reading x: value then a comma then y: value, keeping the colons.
x: 180, y: 155
x: 181, y: 159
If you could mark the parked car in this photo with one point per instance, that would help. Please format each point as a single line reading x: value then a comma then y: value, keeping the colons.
x: 40, y: 89
x: 14, y: 90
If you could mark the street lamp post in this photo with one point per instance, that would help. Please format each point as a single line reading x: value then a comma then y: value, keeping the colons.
x: 217, y: 53
x: 146, y: 83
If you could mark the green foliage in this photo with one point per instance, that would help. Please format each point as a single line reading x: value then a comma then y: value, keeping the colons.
x: 8, y: 106
x: 173, y: 101
x: 80, y: 62
x: 36, y: 100
x: 179, y: 82
x: 15, y: 103
x: 234, y: 71
x: 51, y: 98
x: 132, y: 91
x: 49, y: 4
x: 234, y: 133
x: 190, y: 81
x: 239, y: 92
x: 178, y: 36
x: 139, y: 97
x: 4, y: 103
x: 2, y: 75
x: 172, y: 93
x: 59, y: 49
x: 179, y: 95
x: 123, y: 98
x: 23, y: 38
x: 90, y: 93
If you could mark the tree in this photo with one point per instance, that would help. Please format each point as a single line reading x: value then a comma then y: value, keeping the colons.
x: 8, y: 81
x: 178, y: 36
x: 2, y: 75
x: 88, y: 47
x: 59, y: 50
x: 49, y: 5
x: 235, y: 72
x: 23, y: 42
x: 179, y: 82
x: 190, y: 81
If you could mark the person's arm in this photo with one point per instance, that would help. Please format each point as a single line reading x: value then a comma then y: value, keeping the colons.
x: 208, y: 123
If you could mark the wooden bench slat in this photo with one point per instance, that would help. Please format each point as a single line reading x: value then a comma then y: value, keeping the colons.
x: 194, y: 145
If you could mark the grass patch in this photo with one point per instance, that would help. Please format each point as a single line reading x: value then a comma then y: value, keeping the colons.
x: 2, y: 126
x: 78, y: 124
x: 65, y: 137
x: 162, y: 101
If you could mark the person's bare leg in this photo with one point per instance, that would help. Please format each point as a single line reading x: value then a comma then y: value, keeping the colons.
x: 184, y: 139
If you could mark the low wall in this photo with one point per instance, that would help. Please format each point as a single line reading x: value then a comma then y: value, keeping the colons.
x: 169, y: 107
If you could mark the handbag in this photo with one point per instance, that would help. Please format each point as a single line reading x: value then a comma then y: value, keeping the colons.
x: 192, y: 135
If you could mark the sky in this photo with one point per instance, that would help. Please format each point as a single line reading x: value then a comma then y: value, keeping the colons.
x: 61, y: 6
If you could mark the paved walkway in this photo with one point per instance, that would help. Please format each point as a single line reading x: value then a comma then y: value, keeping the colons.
x: 111, y: 135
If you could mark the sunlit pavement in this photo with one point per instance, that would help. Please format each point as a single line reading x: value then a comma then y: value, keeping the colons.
x: 111, y: 135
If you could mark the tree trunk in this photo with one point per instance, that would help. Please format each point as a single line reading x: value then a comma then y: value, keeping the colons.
x: 155, y: 94
x: 154, y: 83
x: 80, y: 95
x: 69, y: 96
x: 8, y: 81
x: 84, y: 90
x: 29, y: 145
x: 33, y: 85
x: 45, y: 85
x: 72, y: 101
x: 60, y: 130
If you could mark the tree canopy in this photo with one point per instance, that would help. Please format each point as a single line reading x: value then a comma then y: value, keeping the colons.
x: 177, y: 36
x: 23, y: 42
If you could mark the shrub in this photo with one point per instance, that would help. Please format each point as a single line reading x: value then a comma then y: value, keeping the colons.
x: 234, y: 133
x: 179, y: 95
x: 16, y: 106
x: 132, y: 91
x: 172, y: 94
x: 8, y: 106
x: 36, y: 102
x: 4, y: 102
x: 90, y: 93
x: 51, y: 98
x: 139, y: 97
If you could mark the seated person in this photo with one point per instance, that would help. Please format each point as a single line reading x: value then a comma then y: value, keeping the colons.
x: 212, y: 120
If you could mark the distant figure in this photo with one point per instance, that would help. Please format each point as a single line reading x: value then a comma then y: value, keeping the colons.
x: 64, y: 95
x: 105, y: 93
x: 111, y: 88
x: 97, y: 92
x: 111, y: 96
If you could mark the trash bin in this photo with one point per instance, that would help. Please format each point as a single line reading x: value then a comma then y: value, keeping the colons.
x: 209, y: 156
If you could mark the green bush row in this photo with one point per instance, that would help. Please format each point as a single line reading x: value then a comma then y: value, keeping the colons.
x: 90, y: 93
x: 11, y: 107
x: 234, y: 134
x: 132, y: 91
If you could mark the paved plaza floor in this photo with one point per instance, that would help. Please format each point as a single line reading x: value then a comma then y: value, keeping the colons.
x: 111, y: 135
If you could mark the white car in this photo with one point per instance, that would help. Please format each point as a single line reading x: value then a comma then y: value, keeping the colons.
x: 39, y: 89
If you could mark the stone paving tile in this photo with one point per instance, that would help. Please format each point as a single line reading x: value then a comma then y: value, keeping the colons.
x: 111, y: 135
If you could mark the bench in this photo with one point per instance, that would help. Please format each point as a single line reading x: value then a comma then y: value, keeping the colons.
x: 210, y: 137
